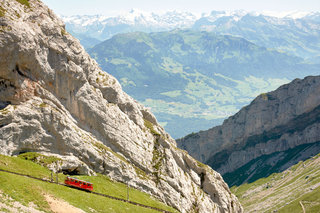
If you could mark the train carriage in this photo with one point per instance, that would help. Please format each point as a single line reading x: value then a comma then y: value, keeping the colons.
x: 74, y: 182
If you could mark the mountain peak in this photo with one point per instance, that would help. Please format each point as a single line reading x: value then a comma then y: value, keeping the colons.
x: 55, y: 100
x: 287, y: 14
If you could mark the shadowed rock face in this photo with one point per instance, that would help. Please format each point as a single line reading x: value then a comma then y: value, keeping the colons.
x: 276, y: 122
x: 55, y: 100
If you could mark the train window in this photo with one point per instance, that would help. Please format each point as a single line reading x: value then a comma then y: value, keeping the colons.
x: 76, y: 181
x: 84, y: 184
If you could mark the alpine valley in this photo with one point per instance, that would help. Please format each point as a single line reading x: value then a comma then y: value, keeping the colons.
x: 105, y: 106
x: 227, y: 63
x: 193, y: 78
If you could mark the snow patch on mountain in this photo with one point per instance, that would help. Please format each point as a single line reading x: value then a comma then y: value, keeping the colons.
x: 91, y: 29
x: 286, y: 14
x: 169, y: 19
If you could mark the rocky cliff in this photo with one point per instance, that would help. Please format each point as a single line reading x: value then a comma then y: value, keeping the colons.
x: 272, y: 133
x: 56, y: 100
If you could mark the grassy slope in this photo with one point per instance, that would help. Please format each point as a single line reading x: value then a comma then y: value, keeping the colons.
x: 284, y: 191
x: 26, y: 190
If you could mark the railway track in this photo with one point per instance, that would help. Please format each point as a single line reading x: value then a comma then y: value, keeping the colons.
x: 96, y: 193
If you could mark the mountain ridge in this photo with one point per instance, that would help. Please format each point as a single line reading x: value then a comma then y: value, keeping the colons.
x: 265, y: 29
x: 102, y: 27
x: 273, y: 122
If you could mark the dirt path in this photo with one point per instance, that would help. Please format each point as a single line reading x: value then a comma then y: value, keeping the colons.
x: 304, y: 211
x: 59, y: 206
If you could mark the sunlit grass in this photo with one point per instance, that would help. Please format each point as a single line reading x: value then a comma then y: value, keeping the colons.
x: 26, y: 190
x: 284, y: 191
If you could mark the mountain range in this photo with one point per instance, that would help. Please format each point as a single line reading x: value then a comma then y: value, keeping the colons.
x: 59, y: 109
x: 232, y: 74
x: 101, y: 27
x: 295, y: 33
x: 192, y: 80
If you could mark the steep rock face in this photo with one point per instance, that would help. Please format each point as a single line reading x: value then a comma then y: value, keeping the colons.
x: 273, y: 123
x: 54, y: 99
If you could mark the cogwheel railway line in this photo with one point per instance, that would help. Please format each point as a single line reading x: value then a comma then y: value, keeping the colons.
x: 100, y: 194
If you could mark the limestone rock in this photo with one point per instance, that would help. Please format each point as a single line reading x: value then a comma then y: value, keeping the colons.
x: 55, y: 100
x: 273, y: 123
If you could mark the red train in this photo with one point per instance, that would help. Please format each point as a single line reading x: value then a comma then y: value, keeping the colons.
x: 74, y: 182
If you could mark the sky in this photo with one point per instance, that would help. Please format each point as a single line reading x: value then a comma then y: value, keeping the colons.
x: 113, y: 7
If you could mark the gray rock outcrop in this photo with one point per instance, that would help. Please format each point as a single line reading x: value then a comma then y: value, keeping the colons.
x: 274, y: 122
x: 55, y: 99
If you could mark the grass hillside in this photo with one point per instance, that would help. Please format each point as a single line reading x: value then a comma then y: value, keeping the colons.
x: 297, y: 189
x: 30, y: 192
x: 193, y: 80
x: 266, y: 165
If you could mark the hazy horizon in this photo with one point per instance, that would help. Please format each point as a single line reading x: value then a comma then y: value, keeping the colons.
x: 107, y: 7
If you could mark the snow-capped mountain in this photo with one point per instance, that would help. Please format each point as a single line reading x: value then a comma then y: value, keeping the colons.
x: 170, y: 19
x: 297, y: 33
x: 102, y: 27
x: 290, y: 14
